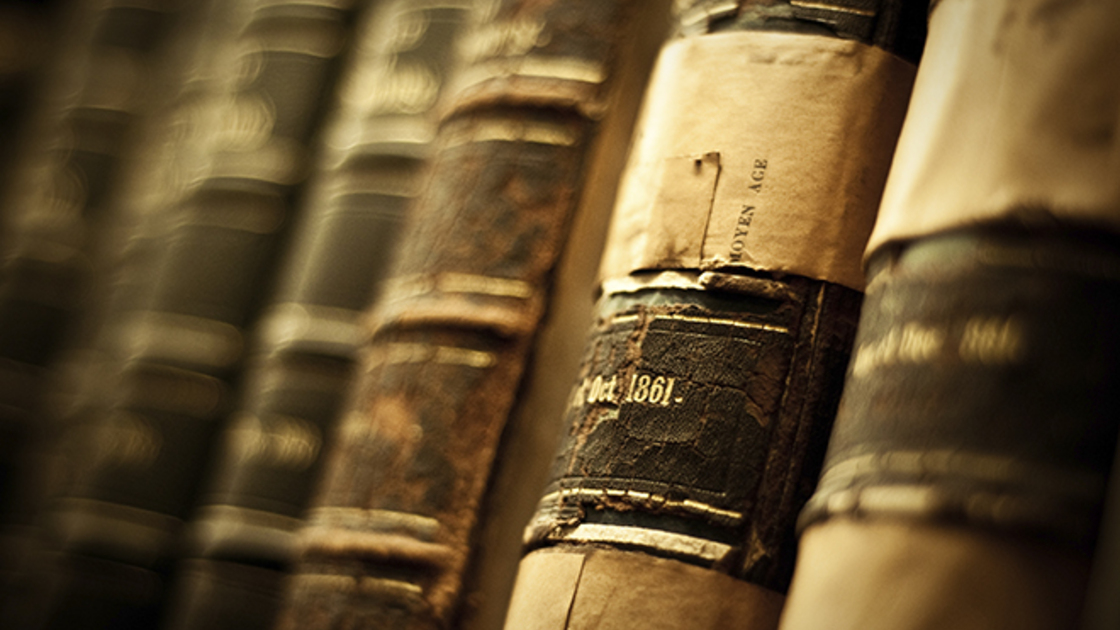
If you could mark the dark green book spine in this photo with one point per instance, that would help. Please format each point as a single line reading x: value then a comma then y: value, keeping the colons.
x: 181, y: 348
x: 372, y: 166
x: 59, y: 203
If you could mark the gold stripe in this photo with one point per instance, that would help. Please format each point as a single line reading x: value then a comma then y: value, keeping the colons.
x: 704, y: 508
x: 726, y: 322
x: 292, y: 322
x: 675, y: 279
x: 410, y: 286
x: 695, y: 507
x: 901, y: 499
x: 574, y: 69
x: 539, y: 133
x: 696, y: 14
x: 247, y: 516
x: 502, y: 131
x: 649, y: 538
x: 464, y: 356
x: 832, y: 7
x: 564, y: 68
x: 407, y: 353
x: 395, y: 587
x: 425, y: 526
x: 485, y: 285
x: 396, y: 353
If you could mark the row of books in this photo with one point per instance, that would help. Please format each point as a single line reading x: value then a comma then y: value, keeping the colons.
x: 295, y: 300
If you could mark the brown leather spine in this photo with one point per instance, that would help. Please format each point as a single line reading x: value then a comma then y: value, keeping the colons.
x: 389, y: 537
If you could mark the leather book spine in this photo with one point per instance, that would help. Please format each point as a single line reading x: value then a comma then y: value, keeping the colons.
x: 371, y: 168
x: 182, y: 347
x: 390, y: 530
x: 699, y: 420
x: 532, y: 433
x: 967, y: 467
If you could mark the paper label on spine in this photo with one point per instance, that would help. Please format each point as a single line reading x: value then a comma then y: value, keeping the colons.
x: 1015, y: 109
x: 762, y: 150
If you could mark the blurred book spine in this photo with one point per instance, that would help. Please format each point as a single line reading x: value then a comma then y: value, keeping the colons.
x: 370, y: 169
x: 965, y: 476
x: 58, y: 201
x: 177, y: 339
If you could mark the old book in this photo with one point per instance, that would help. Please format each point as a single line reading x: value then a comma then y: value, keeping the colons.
x: 180, y: 343
x: 371, y: 168
x: 731, y: 287
x: 124, y: 65
x: 532, y: 433
x: 390, y: 530
x: 966, y: 472
x: 58, y: 202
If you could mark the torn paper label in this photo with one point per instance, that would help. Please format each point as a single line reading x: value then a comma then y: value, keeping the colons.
x: 760, y: 150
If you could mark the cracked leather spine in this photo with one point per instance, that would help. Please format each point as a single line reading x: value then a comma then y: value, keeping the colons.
x: 372, y: 167
x: 700, y: 417
x: 389, y: 534
x: 969, y: 459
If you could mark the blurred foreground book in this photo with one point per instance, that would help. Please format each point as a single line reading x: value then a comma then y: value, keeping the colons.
x: 966, y: 472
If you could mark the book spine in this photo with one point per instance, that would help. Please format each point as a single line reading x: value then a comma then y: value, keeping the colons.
x: 372, y: 167
x: 125, y: 64
x: 730, y: 296
x: 391, y: 527
x: 181, y: 349
x: 152, y: 177
x: 532, y: 433
x: 967, y: 467
x: 58, y: 204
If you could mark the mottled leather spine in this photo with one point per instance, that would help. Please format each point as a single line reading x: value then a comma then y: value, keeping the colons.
x: 390, y: 531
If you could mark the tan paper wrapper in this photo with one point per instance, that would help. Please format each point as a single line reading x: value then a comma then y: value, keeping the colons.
x: 896, y: 575
x: 786, y: 138
x: 1015, y: 107
x: 619, y: 590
